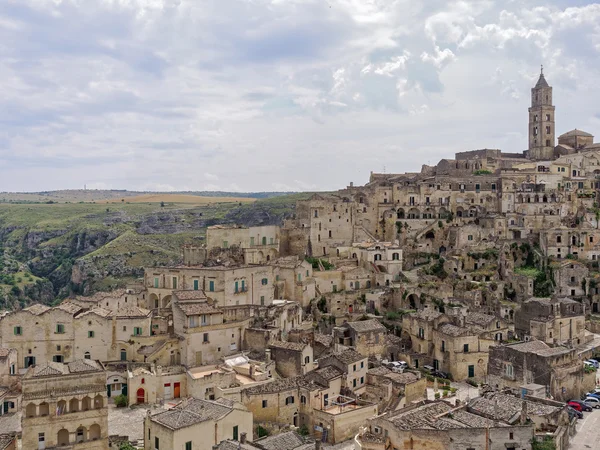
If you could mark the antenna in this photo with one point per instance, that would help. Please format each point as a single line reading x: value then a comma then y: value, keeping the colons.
x: 384, y: 169
x: 542, y: 69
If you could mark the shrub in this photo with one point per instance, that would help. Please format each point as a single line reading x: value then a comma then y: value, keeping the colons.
x: 392, y: 315
x: 472, y: 382
x: 453, y: 390
x: 262, y: 432
x: 430, y: 378
x: 445, y: 394
x: 437, y: 395
x: 303, y: 431
x: 121, y: 401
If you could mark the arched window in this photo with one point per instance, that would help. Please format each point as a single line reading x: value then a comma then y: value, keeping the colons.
x: 303, y: 400
x: 289, y: 400
x: 306, y: 359
x: 143, y: 380
x: 62, y: 437
x: 44, y: 409
x: 31, y: 410
x: 81, y: 434
x: 395, y: 256
x: 94, y: 433
x: 87, y: 355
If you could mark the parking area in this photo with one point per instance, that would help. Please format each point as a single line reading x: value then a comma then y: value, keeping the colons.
x: 588, y: 432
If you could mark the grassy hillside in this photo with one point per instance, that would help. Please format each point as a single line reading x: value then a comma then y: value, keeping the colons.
x: 48, y: 251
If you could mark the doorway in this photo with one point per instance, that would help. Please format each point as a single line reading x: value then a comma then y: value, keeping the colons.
x: 141, y: 395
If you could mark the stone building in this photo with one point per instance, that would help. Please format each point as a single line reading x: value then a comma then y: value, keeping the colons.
x: 441, y: 426
x: 553, y: 321
x: 258, y: 244
x: 559, y: 369
x: 367, y: 337
x: 197, y: 424
x: 65, y: 405
x: 353, y: 365
x: 292, y: 358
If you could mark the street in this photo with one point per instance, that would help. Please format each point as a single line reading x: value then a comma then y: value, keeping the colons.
x: 588, y: 432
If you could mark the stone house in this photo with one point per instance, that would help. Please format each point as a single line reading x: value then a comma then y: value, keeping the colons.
x: 292, y: 358
x: 152, y: 384
x: 383, y: 258
x: 40, y: 334
x: 353, y: 365
x: 65, y: 405
x: 197, y: 424
x: 294, y: 279
x: 554, y: 321
x: 570, y: 278
x: 417, y: 335
x: 8, y: 367
x: 410, y: 385
x: 441, y: 426
x: 558, y: 368
x: 259, y: 244
x: 367, y: 337
x: 288, y: 440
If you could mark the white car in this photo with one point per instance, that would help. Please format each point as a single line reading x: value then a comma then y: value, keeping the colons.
x: 397, y: 366
x: 593, y: 402
x: 594, y: 363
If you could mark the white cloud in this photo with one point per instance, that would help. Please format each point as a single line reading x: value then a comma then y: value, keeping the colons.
x: 289, y: 94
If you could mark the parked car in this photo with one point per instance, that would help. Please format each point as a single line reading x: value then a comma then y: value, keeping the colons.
x: 440, y: 374
x: 429, y: 369
x: 589, y: 364
x: 575, y: 405
x: 585, y: 407
x: 594, y: 402
x: 574, y: 413
x: 593, y: 394
x: 594, y: 363
x: 396, y: 366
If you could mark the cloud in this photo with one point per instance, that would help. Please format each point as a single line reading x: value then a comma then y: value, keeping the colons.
x: 277, y: 94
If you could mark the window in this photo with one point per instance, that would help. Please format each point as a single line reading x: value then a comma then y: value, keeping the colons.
x: 303, y: 400
x: 535, y: 131
x: 18, y: 331
x: 477, y: 187
x: 60, y: 328
x: 205, y: 337
x: 362, y: 380
x: 509, y: 370
x: 204, y: 319
x: 443, y: 346
x: 548, y: 119
x: 196, y: 284
x: 87, y: 355
x: 362, y: 364
x: 264, y: 403
x: 262, y: 300
x: 264, y: 281
x: 90, y: 334
x: 354, y: 383
x: 137, y: 331
x: 421, y: 333
x: 558, y: 239
x: 466, y: 348
x: 225, y: 244
x: 535, y: 118
x: 235, y: 433
x: 354, y: 368
x: 58, y: 348
x: 211, y: 286
x: 236, y: 287
x: 289, y: 400
x: 174, y: 282
x: 58, y: 358
x: 591, y: 238
x: 470, y: 237
x: 13, y: 369
x: 511, y: 435
x: 155, y: 282
x: 188, y: 445
x: 156, y: 443
x: 307, y: 360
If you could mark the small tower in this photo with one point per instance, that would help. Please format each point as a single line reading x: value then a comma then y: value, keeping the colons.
x: 541, y: 121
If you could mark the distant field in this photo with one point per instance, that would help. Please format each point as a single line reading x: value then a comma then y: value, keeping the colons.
x: 180, y: 198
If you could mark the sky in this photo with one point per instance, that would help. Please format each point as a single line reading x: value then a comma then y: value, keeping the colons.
x: 277, y: 95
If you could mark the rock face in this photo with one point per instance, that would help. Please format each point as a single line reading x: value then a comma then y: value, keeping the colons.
x: 109, y: 246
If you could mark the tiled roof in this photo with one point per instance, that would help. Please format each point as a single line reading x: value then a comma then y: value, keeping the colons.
x: 294, y: 346
x: 541, y: 83
x: 131, y: 311
x: 190, y: 295
x: 366, y: 325
x: 507, y: 407
x: 323, y: 339
x: 190, y: 412
x: 281, y: 385
x: 379, y: 371
x: 531, y: 346
x: 49, y: 369
x: 480, y: 319
x: 426, y: 314
x: 288, y: 441
x: 403, y: 378
x: 329, y: 372
x: 6, y: 440
x: 102, y: 312
x: 349, y: 356
x: 576, y: 132
x: 452, y: 330
x: 37, y: 309
x: 195, y: 309
x: 69, y: 307
x: 84, y: 365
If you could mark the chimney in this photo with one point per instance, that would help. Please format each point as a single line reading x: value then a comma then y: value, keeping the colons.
x: 523, y: 419
x: 242, y: 438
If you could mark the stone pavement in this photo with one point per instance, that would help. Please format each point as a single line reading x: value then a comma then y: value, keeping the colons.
x: 588, y: 432
x: 127, y: 421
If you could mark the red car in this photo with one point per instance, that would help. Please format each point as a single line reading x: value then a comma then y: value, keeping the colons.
x: 576, y: 406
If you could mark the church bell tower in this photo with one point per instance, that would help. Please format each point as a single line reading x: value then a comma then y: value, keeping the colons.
x: 541, y: 121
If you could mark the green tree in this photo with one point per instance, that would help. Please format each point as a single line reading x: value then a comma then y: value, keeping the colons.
x: 126, y: 446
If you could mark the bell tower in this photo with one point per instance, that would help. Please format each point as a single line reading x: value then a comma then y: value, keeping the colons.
x: 541, y: 121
